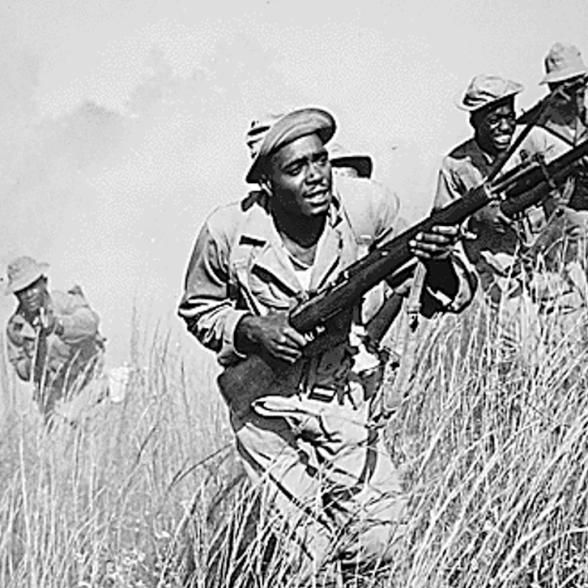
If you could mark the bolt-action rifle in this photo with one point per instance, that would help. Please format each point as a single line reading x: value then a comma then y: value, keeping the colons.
x: 38, y: 372
x: 258, y: 375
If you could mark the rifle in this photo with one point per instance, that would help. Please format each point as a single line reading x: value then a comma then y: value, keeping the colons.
x: 255, y: 376
x: 40, y: 356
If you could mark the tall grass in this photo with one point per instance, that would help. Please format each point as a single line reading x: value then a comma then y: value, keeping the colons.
x: 494, y: 453
x: 100, y: 504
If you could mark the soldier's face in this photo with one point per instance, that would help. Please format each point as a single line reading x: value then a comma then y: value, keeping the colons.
x: 300, y: 177
x: 32, y: 298
x: 495, y: 126
x: 574, y: 97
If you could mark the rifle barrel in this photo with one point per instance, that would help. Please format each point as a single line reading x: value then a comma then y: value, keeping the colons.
x: 365, y: 273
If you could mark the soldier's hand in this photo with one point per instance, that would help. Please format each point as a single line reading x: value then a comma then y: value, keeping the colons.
x: 272, y: 333
x: 438, y: 243
x: 492, y: 216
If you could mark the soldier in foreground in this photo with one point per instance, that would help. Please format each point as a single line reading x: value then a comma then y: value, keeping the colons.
x: 52, y: 338
x: 327, y: 474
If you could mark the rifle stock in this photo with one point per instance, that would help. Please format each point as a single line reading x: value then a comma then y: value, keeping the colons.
x: 255, y: 376
x: 242, y: 383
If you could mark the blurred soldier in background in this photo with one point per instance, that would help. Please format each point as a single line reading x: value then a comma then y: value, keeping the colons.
x: 564, y: 124
x: 52, y: 337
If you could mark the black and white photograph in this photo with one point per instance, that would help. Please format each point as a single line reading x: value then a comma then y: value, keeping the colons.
x: 294, y: 294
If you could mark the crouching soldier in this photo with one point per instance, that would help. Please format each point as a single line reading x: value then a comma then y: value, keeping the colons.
x: 52, y: 338
x: 327, y: 473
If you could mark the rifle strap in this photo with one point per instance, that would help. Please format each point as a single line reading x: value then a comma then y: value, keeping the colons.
x: 413, y: 306
x: 394, y: 395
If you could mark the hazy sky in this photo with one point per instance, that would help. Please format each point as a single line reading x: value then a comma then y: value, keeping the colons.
x: 123, y: 120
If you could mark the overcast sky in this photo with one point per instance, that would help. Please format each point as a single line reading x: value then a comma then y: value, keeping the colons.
x: 124, y: 120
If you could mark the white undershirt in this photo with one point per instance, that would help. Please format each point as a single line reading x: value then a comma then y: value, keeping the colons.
x: 302, y: 271
x: 303, y: 276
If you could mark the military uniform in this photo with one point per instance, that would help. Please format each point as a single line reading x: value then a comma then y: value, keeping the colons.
x: 309, y: 440
x: 520, y: 295
x: 71, y: 356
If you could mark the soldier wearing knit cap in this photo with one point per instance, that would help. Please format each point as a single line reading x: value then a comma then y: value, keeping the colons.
x: 328, y: 475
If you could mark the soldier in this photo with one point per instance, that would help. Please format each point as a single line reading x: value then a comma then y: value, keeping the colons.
x: 562, y: 126
x: 490, y: 102
x: 52, y: 337
x: 324, y: 469
x: 509, y: 288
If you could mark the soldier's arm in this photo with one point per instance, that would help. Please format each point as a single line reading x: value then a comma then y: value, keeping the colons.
x: 448, y: 188
x: 206, y: 306
x: 17, y: 351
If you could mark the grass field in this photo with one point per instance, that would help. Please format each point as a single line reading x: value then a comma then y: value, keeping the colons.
x: 495, y: 455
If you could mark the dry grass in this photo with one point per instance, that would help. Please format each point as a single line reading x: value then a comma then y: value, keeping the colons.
x: 495, y: 455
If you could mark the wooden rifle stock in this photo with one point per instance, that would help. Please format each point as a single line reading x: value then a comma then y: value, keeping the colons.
x: 256, y: 376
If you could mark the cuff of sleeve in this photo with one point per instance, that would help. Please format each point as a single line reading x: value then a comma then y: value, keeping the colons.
x: 467, y: 283
x: 228, y: 354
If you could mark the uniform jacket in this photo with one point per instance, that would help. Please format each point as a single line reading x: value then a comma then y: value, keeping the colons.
x: 554, y: 136
x: 70, y: 355
x: 239, y: 265
x: 494, y: 252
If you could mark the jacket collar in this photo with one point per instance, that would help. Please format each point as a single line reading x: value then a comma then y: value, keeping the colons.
x: 272, y: 257
x: 479, y: 156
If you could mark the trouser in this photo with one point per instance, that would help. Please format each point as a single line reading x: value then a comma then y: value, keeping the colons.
x: 327, y: 475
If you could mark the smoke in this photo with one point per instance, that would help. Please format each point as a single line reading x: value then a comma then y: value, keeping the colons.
x: 112, y: 154
x: 113, y: 199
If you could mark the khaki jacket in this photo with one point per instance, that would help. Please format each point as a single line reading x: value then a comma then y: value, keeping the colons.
x: 71, y: 355
x: 240, y: 266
